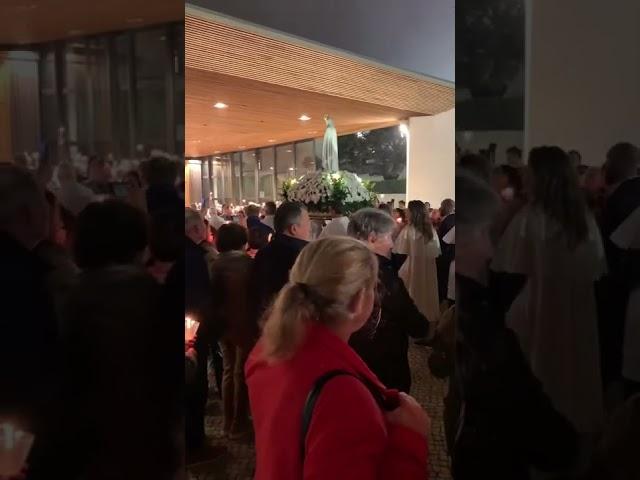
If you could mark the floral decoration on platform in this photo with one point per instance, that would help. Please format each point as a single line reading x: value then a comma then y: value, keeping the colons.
x: 321, y: 190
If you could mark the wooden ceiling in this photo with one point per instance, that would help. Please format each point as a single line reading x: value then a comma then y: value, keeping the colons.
x: 269, y: 80
x: 261, y: 114
x: 38, y: 21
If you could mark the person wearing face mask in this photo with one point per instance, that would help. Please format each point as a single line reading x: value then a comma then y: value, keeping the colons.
x: 384, y: 342
x: 318, y: 411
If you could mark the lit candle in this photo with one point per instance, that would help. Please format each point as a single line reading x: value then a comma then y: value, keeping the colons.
x: 190, y: 328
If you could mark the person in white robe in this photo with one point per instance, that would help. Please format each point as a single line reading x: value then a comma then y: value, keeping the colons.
x: 419, y: 241
x: 556, y: 243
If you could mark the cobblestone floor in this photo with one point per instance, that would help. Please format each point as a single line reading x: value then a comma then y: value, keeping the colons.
x: 238, y: 463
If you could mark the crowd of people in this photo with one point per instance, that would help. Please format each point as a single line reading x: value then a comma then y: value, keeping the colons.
x: 542, y: 354
x: 319, y: 297
x: 90, y: 328
x: 306, y: 323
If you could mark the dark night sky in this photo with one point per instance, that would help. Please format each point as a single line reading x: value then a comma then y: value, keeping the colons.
x: 416, y: 35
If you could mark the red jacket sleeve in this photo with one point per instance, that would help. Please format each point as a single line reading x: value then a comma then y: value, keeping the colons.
x: 348, y: 439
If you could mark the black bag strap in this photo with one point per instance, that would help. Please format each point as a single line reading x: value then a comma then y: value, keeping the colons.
x: 312, y: 398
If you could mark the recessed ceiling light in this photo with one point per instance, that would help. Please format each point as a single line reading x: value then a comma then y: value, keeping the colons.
x: 271, y: 140
x: 289, y: 151
x: 312, y: 132
x: 291, y: 169
x: 220, y: 105
x: 217, y: 151
x: 242, y: 146
x: 304, y: 117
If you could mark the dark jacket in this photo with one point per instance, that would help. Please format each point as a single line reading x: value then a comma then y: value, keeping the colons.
x: 231, y: 298
x: 506, y: 423
x: 271, y: 269
x: 255, y: 222
x: 384, y: 344
x: 28, y: 335
x: 197, y: 284
x: 614, y: 289
x: 618, y: 206
x: 162, y: 198
x: 448, y: 255
x: 118, y: 378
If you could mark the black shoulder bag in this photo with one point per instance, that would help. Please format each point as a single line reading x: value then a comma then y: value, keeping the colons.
x: 312, y: 398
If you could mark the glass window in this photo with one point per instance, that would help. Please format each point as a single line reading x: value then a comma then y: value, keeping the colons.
x: 236, y: 184
x: 151, y: 67
x: 285, y: 164
x: 266, y: 174
x: 123, y: 100
x: 225, y: 181
x: 305, y: 158
x: 249, y: 176
x: 77, y: 96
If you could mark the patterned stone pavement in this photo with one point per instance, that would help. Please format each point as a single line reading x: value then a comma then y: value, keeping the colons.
x: 238, y: 463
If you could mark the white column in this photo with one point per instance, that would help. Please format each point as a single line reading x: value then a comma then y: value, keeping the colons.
x: 194, y: 179
x: 431, y: 158
x: 582, y: 75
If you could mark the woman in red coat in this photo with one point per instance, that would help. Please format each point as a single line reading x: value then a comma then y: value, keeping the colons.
x: 350, y: 435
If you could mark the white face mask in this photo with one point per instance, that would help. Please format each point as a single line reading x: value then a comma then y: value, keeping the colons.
x: 507, y: 194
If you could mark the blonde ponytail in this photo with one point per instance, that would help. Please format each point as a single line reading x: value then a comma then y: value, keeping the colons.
x: 327, y: 275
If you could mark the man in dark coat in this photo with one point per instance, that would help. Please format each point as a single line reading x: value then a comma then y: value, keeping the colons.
x: 383, y: 343
x: 197, y: 294
x: 253, y: 221
x: 273, y: 263
x: 443, y: 262
x: 623, y: 185
x: 29, y: 354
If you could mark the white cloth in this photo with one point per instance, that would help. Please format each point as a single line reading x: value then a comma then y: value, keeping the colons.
x: 268, y: 221
x: 419, y: 272
x: 75, y: 197
x: 330, y: 147
x: 451, y: 286
x: 216, y: 221
x: 627, y: 235
x: 450, y: 236
x: 554, y: 316
x: 336, y: 227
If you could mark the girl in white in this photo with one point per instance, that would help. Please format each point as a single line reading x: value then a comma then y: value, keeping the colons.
x: 418, y: 240
x: 555, y: 242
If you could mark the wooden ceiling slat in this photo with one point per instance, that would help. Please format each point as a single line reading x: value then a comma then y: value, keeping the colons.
x: 259, y: 112
x: 220, y: 48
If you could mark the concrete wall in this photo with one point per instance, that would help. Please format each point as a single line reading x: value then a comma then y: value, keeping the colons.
x: 582, y: 75
x: 431, y: 158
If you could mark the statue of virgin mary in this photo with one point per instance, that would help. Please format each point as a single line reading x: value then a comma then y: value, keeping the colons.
x: 330, y: 146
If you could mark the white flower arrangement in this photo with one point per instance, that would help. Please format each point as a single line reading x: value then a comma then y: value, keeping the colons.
x: 319, y: 190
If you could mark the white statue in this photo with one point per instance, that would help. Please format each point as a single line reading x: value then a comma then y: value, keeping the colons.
x: 330, y: 146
